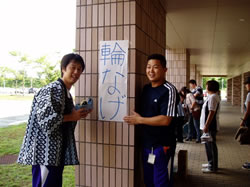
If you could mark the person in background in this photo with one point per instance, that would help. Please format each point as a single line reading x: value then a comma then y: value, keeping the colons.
x: 209, y: 125
x: 180, y: 119
x: 194, y: 114
x: 49, y: 142
x: 157, y: 116
x: 185, y: 128
x: 246, y: 118
x: 197, y: 92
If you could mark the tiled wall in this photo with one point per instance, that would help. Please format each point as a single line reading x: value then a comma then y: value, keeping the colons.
x: 192, y: 71
x: 245, y: 75
x: 237, y: 84
x: 178, y: 64
x: 108, y: 151
x: 229, y: 90
x: 199, y: 78
x: 236, y: 91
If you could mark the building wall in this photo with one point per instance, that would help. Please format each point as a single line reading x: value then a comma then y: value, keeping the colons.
x: 237, y: 84
x: 192, y: 71
x: 236, y: 91
x: 178, y: 64
x: 199, y: 79
x: 108, y: 151
x: 229, y: 90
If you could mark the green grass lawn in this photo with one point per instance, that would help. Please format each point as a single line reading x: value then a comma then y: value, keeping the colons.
x: 11, y: 139
x: 15, y: 175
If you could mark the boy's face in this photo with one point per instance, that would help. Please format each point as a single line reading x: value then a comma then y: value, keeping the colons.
x: 72, y: 72
x: 191, y: 86
x: 154, y: 70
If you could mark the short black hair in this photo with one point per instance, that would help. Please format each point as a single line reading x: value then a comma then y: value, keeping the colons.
x: 181, y: 94
x: 192, y: 81
x: 213, y: 86
x: 71, y: 57
x: 159, y: 57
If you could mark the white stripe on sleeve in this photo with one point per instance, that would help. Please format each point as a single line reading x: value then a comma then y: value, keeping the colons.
x: 171, y: 110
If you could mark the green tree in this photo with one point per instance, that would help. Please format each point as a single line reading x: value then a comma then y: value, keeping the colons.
x: 222, y: 81
x: 17, y: 78
x: 48, y: 71
x: 24, y: 59
x: 4, y: 71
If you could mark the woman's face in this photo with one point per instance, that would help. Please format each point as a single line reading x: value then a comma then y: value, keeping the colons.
x: 209, y: 92
x: 248, y: 87
x: 182, y: 93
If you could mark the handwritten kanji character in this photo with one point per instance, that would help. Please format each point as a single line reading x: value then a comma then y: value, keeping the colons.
x: 105, y: 52
x: 118, y: 102
x: 117, y: 55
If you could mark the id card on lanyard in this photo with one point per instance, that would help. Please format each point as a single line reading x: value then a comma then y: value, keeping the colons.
x: 151, y: 157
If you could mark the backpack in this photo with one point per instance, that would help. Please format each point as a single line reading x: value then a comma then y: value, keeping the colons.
x: 244, y: 134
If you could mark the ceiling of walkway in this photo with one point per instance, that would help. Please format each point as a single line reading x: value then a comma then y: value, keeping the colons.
x: 215, y: 32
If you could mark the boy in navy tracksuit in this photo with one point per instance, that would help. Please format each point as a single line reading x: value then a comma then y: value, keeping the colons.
x: 157, y: 116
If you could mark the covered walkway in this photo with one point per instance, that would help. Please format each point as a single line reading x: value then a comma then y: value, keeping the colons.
x: 231, y: 156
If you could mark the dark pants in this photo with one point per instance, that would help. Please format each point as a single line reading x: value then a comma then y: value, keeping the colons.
x: 179, y: 128
x: 212, y: 152
x: 196, y: 123
x: 190, y: 127
x: 193, y: 128
x: 156, y: 175
x: 47, y: 176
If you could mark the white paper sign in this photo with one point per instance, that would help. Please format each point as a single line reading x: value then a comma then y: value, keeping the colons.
x: 113, y: 72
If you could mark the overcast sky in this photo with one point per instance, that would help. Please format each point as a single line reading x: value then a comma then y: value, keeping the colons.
x: 36, y: 28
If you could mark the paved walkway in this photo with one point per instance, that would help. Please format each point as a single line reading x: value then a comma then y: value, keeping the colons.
x: 13, y: 120
x: 231, y: 156
x: 14, y: 112
x: 8, y: 159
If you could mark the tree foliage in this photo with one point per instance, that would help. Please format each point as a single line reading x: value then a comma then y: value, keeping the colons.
x: 46, y: 72
x: 49, y: 71
x: 222, y: 81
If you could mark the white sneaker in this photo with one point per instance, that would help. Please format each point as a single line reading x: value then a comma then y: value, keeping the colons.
x: 206, y: 138
x: 203, y: 141
x: 246, y: 164
x: 205, y: 135
x: 207, y: 170
x: 206, y: 165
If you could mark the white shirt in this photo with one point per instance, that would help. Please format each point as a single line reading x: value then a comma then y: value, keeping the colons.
x: 189, y: 102
x: 247, y: 101
x: 212, y: 101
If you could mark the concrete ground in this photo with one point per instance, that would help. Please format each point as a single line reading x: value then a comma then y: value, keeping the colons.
x: 231, y: 156
x: 14, y: 112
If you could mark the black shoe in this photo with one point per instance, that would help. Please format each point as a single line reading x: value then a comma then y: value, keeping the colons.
x: 198, y: 141
x: 188, y: 139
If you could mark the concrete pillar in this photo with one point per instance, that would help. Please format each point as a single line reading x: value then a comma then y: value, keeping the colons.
x: 192, y: 71
x: 236, y: 94
x: 199, y: 78
x: 229, y: 90
x: 108, y: 151
x: 178, y: 63
x: 242, y: 93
